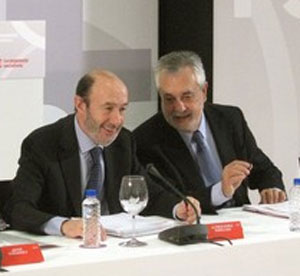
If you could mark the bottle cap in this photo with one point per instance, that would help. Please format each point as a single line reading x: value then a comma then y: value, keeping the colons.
x: 90, y: 192
x: 297, y: 181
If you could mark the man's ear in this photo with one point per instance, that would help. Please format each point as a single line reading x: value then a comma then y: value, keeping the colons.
x: 204, y: 90
x: 79, y: 104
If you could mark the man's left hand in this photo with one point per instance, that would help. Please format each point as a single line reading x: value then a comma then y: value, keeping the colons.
x: 272, y: 195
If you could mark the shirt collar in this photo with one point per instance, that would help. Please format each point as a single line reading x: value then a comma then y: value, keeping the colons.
x: 187, y: 136
x: 85, y: 143
x: 203, y: 126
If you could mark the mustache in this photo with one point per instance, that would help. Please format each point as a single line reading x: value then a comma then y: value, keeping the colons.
x: 113, y: 126
x: 180, y: 114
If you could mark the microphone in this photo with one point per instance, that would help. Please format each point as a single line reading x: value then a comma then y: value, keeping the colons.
x: 154, y: 172
x: 184, y: 234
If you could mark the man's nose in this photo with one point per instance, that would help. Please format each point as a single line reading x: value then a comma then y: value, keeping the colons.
x: 117, y: 118
x: 179, y: 106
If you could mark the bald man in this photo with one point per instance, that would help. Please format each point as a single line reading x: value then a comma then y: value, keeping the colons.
x: 56, y: 163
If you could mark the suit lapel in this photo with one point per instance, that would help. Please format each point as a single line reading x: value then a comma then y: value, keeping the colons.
x: 178, y: 153
x: 70, y: 164
x: 113, y: 175
x: 183, y: 161
x: 223, y: 136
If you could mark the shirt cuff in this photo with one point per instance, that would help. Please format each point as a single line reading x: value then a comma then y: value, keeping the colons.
x: 217, y: 196
x: 53, y: 226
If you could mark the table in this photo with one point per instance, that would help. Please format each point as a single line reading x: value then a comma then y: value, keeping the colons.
x: 268, y: 248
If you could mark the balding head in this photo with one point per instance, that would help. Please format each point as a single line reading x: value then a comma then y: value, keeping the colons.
x: 103, y: 77
x: 100, y: 102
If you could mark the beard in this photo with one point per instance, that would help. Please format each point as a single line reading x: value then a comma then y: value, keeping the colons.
x: 95, y: 129
x: 182, y: 121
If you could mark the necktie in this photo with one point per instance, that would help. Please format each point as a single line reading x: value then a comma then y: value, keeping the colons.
x: 95, y: 181
x: 207, y: 164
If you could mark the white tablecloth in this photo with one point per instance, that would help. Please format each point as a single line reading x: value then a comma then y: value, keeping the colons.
x: 268, y: 248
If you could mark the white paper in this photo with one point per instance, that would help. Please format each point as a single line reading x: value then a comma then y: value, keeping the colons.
x: 278, y: 209
x: 120, y: 225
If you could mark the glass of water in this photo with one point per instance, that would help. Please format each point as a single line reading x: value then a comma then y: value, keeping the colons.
x: 133, y: 198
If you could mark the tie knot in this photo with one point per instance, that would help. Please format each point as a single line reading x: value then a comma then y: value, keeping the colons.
x: 198, y: 138
x: 95, y: 153
x: 197, y: 135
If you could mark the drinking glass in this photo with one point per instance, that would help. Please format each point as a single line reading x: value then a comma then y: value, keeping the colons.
x: 133, y: 197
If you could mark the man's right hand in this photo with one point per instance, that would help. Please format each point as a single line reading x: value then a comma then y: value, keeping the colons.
x: 185, y: 212
x: 233, y: 175
x: 73, y: 228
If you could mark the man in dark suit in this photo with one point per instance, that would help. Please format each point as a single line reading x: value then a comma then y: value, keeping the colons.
x: 206, y: 150
x: 56, y: 163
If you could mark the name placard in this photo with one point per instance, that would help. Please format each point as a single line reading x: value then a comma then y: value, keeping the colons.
x: 230, y: 230
x: 21, y: 254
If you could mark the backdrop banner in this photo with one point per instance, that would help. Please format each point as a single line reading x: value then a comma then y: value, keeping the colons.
x: 22, y: 49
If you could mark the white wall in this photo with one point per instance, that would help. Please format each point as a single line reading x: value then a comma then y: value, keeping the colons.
x: 21, y: 111
x: 256, y: 66
x: 134, y: 24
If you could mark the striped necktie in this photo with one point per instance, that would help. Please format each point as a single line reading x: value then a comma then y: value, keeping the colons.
x: 206, y: 162
x: 95, y: 181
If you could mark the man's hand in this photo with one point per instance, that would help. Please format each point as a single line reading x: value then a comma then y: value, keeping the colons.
x: 232, y: 176
x: 272, y: 195
x: 73, y: 228
x: 186, y: 212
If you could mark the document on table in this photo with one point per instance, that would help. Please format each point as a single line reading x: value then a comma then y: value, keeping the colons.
x: 11, y: 239
x: 8, y: 238
x: 277, y: 209
x: 120, y: 225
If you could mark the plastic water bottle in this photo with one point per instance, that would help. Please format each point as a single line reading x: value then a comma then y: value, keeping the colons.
x: 91, y: 220
x: 294, y: 203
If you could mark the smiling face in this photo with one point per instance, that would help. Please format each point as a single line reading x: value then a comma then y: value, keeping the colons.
x: 101, y: 116
x: 182, y: 99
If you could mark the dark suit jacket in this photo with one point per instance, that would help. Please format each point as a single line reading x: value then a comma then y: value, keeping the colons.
x: 161, y: 144
x: 47, y: 183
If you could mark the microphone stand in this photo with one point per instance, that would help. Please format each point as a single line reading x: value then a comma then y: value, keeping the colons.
x: 184, y: 234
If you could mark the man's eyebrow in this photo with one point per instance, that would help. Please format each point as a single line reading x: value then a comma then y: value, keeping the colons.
x: 166, y: 93
x: 188, y: 92
x: 114, y: 104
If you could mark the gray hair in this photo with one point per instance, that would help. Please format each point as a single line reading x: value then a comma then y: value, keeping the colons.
x: 177, y: 60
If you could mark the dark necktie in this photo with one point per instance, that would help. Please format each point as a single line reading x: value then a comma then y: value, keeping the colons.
x: 207, y: 164
x: 95, y: 181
